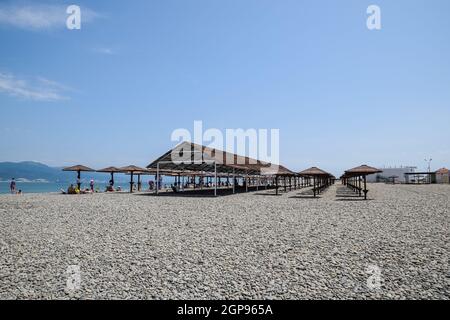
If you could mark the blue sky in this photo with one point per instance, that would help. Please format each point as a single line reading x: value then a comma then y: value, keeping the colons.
x: 113, y: 92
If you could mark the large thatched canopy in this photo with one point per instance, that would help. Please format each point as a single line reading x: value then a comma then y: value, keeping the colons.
x: 193, y: 158
x: 278, y: 170
x: 139, y: 173
x: 172, y: 173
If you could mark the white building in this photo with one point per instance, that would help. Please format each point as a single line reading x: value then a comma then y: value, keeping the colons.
x: 388, y: 173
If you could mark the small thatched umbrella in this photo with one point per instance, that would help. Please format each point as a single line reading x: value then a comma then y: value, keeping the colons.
x: 132, y: 169
x: 139, y: 174
x: 78, y: 169
x: 315, y: 173
x: 362, y: 171
x: 111, y: 170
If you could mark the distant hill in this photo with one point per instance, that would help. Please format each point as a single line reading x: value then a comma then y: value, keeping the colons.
x: 35, y: 171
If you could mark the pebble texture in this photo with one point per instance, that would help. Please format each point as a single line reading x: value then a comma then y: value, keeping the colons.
x: 246, y: 246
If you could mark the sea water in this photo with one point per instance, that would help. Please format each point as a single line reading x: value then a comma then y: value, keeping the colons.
x: 46, y: 187
x: 42, y: 187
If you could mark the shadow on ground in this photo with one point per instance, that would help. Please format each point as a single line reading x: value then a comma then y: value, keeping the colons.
x: 201, y: 192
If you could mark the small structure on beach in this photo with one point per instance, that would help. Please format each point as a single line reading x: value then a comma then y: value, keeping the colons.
x: 139, y: 174
x: 387, y: 173
x: 110, y: 170
x: 78, y: 169
x: 442, y: 175
x: 196, y: 161
x: 423, y: 177
x: 352, y: 178
x: 321, y: 179
x: 132, y: 169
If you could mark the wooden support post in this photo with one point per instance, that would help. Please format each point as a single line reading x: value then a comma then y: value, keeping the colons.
x: 79, y: 179
x: 131, y: 182
x: 276, y: 185
x: 157, y: 178
x: 365, y: 188
x: 359, y: 185
x: 314, y: 186
x: 246, y: 182
x: 234, y: 182
x: 215, y: 182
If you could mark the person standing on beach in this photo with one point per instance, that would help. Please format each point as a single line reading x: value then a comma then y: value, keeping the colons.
x: 12, y: 185
x: 92, y: 185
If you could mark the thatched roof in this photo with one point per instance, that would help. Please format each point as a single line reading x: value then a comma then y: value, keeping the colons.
x: 362, y: 170
x: 196, y: 158
x: 109, y: 169
x: 277, y: 170
x: 168, y: 172
x: 132, y: 168
x: 78, y: 168
x: 314, y: 171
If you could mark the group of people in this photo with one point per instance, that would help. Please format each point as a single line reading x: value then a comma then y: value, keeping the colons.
x: 75, y: 189
x: 78, y: 190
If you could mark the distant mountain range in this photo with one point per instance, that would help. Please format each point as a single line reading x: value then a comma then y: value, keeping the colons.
x: 38, y: 172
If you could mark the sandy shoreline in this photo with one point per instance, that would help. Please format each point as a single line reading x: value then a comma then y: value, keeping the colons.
x: 252, y: 245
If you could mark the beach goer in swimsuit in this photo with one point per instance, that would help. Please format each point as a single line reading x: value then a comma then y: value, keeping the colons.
x: 12, y: 185
x: 71, y: 189
x: 92, y: 185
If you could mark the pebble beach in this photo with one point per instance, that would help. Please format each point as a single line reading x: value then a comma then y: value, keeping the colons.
x: 245, y: 246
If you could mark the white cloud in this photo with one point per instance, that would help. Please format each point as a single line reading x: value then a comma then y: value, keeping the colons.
x: 104, y: 50
x: 37, y: 88
x: 40, y: 16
